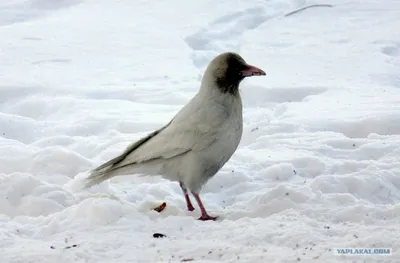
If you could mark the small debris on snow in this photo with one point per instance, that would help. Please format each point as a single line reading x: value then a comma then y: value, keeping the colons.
x: 161, y: 207
x: 187, y: 259
x: 307, y: 7
x: 158, y: 235
x: 68, y: 247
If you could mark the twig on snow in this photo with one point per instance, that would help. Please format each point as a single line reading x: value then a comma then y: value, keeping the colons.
x: 307, y: 7
x: 161, y: 207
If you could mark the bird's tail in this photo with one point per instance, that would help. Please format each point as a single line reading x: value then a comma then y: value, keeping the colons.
x: 106, y: 171
x: 98, y: 176
x: 111, y: 169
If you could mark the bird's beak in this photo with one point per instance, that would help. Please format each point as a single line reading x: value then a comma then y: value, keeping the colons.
x: 252, y: 71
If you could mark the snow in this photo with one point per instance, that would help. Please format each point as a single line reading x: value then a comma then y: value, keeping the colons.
x: 318, y: 166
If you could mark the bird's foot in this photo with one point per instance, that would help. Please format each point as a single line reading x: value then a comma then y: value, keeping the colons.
x: 206, y: 217
x: 190, y: 207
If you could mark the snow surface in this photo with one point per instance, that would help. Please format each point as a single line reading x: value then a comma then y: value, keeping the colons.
x: 318, y: 166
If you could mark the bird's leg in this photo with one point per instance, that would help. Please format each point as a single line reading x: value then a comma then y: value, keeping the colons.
x: 204, y: 215
x: 187, y: 198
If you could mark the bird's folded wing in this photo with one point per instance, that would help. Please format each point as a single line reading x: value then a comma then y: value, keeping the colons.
x: 165, y: 143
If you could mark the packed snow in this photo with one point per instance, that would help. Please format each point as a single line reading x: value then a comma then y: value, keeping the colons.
x: 318, y: 166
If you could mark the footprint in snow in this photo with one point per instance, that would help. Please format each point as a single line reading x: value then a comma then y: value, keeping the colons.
x: 391, y: 50
x: 224, y: 33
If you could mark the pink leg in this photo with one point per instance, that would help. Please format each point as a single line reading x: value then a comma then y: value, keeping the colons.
x: 204, y: 215
x: 188, y: 203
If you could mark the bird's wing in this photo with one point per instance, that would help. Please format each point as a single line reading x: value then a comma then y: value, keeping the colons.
x: 194, y: 127
x: 170, y: 141
x: 130, y: 149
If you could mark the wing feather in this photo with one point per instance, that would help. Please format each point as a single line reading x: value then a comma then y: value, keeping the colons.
x: 167, y: 144
x: 129, y: 150
x: 181, y: 135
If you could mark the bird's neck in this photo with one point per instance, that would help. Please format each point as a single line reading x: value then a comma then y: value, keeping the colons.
x: 211, y: 92
x: 214, y: 88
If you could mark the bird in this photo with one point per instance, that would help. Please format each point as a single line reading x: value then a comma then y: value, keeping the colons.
x: 197, y: 142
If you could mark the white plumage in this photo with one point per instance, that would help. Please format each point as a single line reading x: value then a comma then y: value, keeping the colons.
x: 198, y: 141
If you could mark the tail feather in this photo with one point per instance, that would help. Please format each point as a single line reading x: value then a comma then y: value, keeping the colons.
x: 112, y: 168
x: 104, y: 173
x: 98, y: 176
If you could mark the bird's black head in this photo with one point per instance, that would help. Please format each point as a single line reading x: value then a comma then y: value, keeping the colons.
x: 228, y: 69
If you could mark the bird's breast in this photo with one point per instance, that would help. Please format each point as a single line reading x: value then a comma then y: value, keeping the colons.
x: 229, y: 132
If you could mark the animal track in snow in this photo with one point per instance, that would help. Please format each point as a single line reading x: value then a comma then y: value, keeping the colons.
x: 391, y: 50
x: 226, y: 27
x: 223, y: 34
